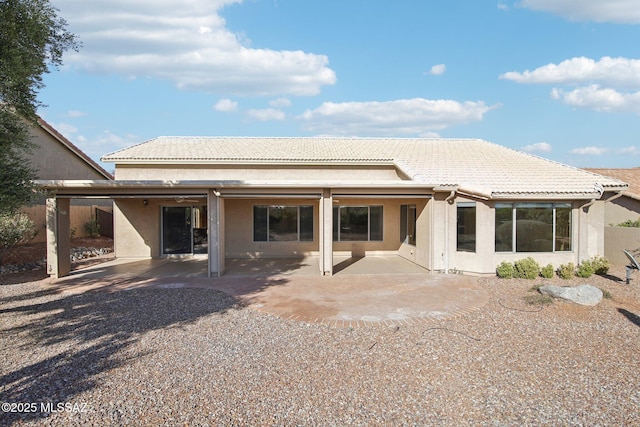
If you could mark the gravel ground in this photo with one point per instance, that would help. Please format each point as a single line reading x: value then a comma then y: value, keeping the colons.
x: 197, y: 357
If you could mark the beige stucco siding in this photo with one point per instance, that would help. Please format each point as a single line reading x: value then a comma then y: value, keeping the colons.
x: 136, y: 228
x: 52, y: 160
x: 238, y: 231
x: 586, y: 241
x: 257, y: 172
x: 621, y: 210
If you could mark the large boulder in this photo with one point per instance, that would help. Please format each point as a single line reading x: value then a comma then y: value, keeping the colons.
x: 583, y: 294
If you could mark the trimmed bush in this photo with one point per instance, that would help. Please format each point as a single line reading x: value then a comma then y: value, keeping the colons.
x: 600, y: 265
x: 547, y: 272
x: 527, y: 268
x: 505, y: 270
x: 585, y: 269
x: 567, y: 271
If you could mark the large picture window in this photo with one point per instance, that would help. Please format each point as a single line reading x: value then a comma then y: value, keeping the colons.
x: 533, y: 227
x: 282, y: 223
x: 357, y: 223
x: 466, y: 227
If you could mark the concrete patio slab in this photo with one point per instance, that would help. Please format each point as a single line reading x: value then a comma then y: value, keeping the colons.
x: 358, y: 295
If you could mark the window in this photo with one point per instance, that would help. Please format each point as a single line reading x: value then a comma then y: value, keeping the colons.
x: 282, y: 223
x: 466, y: 227
x: 184, y: 230
x: 539, y: 227
x: 357, y: 223
x: 408, y: 224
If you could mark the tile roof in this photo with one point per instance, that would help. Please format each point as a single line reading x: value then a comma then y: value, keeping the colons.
x: 477, y: 165
x: 630, y: 176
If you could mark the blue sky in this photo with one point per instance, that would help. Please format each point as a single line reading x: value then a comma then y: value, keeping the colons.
x: 557, y: 78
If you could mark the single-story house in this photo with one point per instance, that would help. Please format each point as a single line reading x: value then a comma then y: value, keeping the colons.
x: 448, y: 205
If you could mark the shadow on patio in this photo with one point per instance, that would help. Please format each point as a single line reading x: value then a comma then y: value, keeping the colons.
x: 369, y: 290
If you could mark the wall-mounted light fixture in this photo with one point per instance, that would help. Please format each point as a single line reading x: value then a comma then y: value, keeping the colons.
x: 145, y: 202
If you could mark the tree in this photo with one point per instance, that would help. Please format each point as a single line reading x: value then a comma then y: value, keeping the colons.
x: 33, y: 38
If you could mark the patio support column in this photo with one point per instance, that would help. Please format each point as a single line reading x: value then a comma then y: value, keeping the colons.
x: 326, y: 233
x: 216, y: 233
x: 58, y: 237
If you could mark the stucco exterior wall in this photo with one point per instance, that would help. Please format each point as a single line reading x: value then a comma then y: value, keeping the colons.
x: 53, y: 160
x: 238, y: 231
x: 587, y: 239
x: 618, y: 238
x: 138, y: 232
x: 136, y: 228
x: 620, y: 210
x: 256, y: 172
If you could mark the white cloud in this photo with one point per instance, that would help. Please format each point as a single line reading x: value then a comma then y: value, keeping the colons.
x: 266, y: 114
x: 599, y: 99
x: 416, y: 116
x: 436, y: 70
x: 189, y: 45
x: 589, y: 151
x: 541, y: 147
x: 617, y: 72
x: 65, y: 129
x: 73, y: 114
x: 601, y: 85
x: 619, y: 11
x: 226, y: 106
x: 632, y: 150
x: 280, y: 103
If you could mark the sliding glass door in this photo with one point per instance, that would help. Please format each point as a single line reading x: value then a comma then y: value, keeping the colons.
x: 184, y: 230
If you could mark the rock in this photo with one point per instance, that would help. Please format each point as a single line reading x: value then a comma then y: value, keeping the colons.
x: 583, y: 294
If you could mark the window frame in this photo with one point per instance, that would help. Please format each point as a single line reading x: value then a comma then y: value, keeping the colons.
x: 408, y: 222
x: 337, y: 223
x: 466, y: 205
x: 300, y: 233
x: 555, y: 238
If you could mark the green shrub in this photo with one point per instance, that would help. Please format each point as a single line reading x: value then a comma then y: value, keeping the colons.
x: 585, y: 269
x: 92, y: 228
x: 527, y: 268
x: 15, y: 230
x: 505, y: 270
x: 606, y: 294
x: 600, y: 265
x: 629, y: 223
x: 567, y: 271
x: 547, y: 272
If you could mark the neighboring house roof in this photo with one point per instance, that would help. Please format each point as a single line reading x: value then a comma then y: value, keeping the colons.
x: 630, y: 176
x: 472, y: 165
x: 75, y: 150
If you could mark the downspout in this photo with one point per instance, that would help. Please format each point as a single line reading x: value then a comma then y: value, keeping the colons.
x: 615, y: 196
x: 587, y: 205
x: 449, y: 200
x: 598, y: 189
x: 585, y: 208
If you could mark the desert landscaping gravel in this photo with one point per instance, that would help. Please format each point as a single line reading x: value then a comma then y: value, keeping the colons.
x: 192, y: 357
